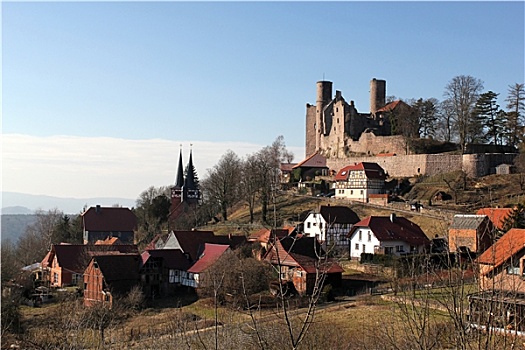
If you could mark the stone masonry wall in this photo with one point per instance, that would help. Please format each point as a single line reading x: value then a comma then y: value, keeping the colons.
x: 475, y: 165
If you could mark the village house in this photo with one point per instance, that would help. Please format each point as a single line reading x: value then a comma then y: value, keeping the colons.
x: 312, y: 166
x: 391, y: 235
x: 110, y: 276
x: 471, y: 234
x: 193, y: 277
x: 361, y: 182
x: 99, y: 223
x: 501, y: 300
x: 330, y: 225
x: 161, y: 271
x: 303, y: 262
x: 266, y: 236
x: 64, y: 264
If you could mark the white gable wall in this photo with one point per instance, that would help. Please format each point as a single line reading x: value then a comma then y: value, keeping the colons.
x: 315, y: 226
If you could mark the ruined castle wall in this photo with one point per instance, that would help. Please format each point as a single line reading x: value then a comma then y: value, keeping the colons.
x: 310, y: 130
x: 474, y: 165
x: 371, y: 144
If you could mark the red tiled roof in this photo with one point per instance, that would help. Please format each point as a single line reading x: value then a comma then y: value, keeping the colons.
x: 507, y: 246
x: 283, y: 255
x: 400, y: 229
x: 108, y: 241
x: 390, y: 106
x: 286, y: 167
x: 372, y: 171
x: 75, y: 257
x: 264, y: 234
x: 109, y: 219
x: 211, y: 253
x: 313, y: 161
x: 496, y: 215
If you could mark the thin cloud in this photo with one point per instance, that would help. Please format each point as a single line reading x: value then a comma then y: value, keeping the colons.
x: 69, y: 166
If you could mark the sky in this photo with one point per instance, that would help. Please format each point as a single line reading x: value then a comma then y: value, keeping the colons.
x: 98, y: 98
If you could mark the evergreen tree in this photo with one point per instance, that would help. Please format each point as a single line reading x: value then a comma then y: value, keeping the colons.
x: 516, y: 218
x: 515, y: 117
x: 487, y: 117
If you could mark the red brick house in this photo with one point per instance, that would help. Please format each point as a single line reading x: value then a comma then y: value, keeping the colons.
x: 470, y: 233
x: 500, y: 304
x: 110, y: 276
x: 64, y: 264
x: 302, y: 261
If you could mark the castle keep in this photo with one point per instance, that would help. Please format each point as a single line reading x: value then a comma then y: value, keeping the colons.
x: 334, y: 125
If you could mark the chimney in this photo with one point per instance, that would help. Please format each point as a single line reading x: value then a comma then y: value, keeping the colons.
x: 97, y: 209
x: 392, y: 217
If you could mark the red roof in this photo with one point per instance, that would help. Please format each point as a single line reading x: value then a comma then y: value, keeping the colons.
x: 75, y: 257
x: 390, y: 106
x: 109, y: 219
x: 286, y: 256
x: 507, y: 246
x: 314, y: 161
x: 210, y: 255
x: 264, y: 235
x: 372, y: 171
x: 398, y: 229
x: 496, y: 215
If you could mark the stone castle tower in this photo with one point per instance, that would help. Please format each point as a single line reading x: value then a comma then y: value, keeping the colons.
x: 332, y: 122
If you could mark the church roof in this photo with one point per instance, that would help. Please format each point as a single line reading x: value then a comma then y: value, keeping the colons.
x: 179, y: 179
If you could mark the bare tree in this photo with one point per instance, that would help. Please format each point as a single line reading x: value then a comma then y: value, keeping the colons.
x: 461, y: 94
x: 516, y: 113
x: 222, y: 182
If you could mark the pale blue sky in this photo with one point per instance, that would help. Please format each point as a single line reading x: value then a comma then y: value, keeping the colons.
x: 219, y: 74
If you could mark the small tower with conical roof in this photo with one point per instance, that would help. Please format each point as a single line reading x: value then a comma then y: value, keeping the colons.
x: 186, y: 191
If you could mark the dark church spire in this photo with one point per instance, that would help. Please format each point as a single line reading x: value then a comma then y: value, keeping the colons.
x: 179, y: 180
x: 189, y: 183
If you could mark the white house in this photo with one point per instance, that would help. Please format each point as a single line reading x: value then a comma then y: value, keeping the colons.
x: 386, y: 235
x: 359, y: 181
x: 330, y: 225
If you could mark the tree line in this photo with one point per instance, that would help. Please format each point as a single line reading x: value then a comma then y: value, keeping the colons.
x: 467, y: 114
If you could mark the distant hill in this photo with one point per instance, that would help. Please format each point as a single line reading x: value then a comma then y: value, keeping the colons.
x: 22, y: 203
x: 13, y: 226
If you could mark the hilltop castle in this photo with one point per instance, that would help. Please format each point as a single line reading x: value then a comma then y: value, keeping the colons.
x: 336, y: 130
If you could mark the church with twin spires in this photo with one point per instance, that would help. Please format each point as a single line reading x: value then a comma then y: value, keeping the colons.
x: 185, y: 194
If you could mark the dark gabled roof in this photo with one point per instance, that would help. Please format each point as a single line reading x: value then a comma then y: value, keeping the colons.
x: 287, y: 167
x: 233, y: 241
x: 189, y: 181
x: 507, y: 246
x: 307, y: 246
x: 314, y: 161
x: 121, y: 272
x: 338, y: 215
x: 171, y: 258
x: 109, y: 219
x: 75, y: 257
x: 211, y: 253
x: 191, y: 241
x: 393, y: 105
x: 372, y: 171
x: 393, y: 228
x: 467, y: 221
x: 496, y: 215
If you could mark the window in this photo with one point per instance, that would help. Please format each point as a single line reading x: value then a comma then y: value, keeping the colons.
x: 55, y: 277
x: 389, y: 250
x: 514, y: 268
x: 321, y: 225
x: 174, y: 274
x: 369, y: 237
x: 399, y: 249
x: 361, y: 191
x: 360, y: 235
x: 357, y: 246
x: 308, y: 225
